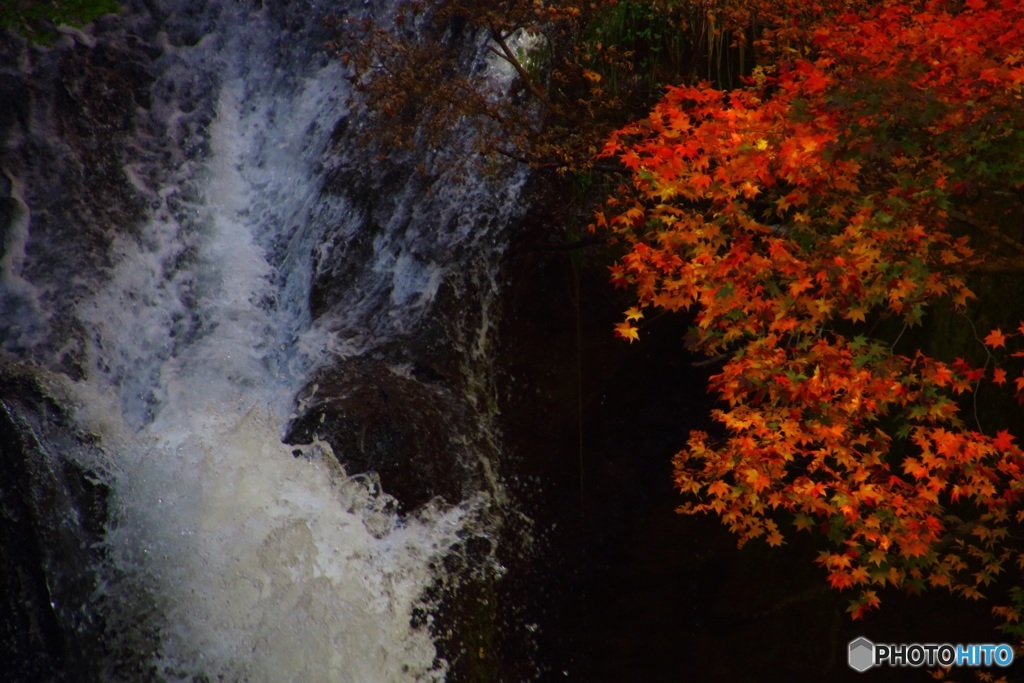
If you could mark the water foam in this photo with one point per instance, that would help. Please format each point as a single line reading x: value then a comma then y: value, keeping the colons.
x: 254, y: 564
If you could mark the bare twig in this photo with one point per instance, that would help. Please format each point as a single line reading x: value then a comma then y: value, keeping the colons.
x: 510, y: 57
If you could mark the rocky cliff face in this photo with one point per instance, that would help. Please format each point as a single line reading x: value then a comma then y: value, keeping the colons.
x: 53, y: 515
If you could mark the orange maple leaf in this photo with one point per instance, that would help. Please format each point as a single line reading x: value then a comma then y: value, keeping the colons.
x: 840, y: 580
x: 996, y: 338
x: 913, y: 547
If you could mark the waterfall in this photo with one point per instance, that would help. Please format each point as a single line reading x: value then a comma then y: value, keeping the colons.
x: 180, y: 184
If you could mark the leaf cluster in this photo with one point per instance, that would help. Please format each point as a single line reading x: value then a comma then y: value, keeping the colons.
x: 837, y: 195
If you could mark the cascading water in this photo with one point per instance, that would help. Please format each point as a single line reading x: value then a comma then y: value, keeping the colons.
x: 177, y: 193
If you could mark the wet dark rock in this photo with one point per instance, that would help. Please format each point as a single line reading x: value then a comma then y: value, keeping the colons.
x: 379, y: 419
x: 464, y: 615
x: 52, y: 517
x: 70, y: 120
x: 16, y: 97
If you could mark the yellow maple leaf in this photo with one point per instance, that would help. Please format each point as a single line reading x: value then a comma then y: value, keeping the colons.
x: 634, y: 313
x: 855, y: 314
x: 627, y: 331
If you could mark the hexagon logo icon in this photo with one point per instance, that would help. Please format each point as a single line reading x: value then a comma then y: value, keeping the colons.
x: 862, y: 654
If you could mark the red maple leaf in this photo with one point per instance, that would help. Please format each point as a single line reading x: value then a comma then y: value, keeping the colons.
x: 996, y: 338
x: 1003, y: 440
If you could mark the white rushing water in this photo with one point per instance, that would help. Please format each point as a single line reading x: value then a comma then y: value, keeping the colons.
x: 237, y: 559
x: 261, y: 566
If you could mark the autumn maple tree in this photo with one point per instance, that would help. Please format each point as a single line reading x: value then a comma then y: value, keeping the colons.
x: 808, y: 219
x: 580, y: 69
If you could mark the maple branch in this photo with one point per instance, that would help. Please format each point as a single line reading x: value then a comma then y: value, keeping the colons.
x: 607, y: 168
x: 710, y: 361
x: 977, y: 384
x: 987, y: 229
x: 960, y: 531
x: 1001, y: 267
x: 805, y: 595
x: 508, y: 155
x: 507, y: 54
x: 568, y: 246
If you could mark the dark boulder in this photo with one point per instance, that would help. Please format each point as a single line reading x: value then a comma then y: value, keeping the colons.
x: 378, y: 419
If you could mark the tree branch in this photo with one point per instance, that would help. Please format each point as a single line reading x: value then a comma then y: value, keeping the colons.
x: 987, y: 229
x: 1001, y: 267
x: 710, y: 361
x: 510, y: 57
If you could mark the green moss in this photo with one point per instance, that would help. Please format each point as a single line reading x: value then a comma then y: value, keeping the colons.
x: 38, y: 19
